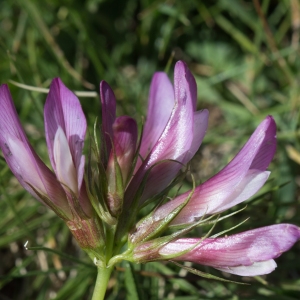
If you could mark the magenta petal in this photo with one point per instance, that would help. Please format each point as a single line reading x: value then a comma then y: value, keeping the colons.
x: 243, y: 249
x: 63, y: 109
x: 160, y: 104
x: 22, y: 160
x: 108, y: 101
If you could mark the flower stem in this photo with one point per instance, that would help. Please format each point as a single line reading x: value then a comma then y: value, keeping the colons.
x: 101, y: 283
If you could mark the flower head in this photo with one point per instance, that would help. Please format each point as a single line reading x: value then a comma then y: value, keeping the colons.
x: 64, y: 190
x: 101, y: 203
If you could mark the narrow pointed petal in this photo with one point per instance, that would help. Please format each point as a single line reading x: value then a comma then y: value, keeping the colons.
x: 63, y: 109
x: 108, y: 101
x: 164, y: 172
x: 237, y: 182
x: 199, y: 131
x: 125, y: 135
x: 243, y: 249
x: 21, y: 158
x: 185, y: 84
x: 120, y: 163
x: 173, y: 144
x: 218, y: 193
x: 248, y: 186
x: 258, y: 268
x: 65, y: 168
x: 160, y: 104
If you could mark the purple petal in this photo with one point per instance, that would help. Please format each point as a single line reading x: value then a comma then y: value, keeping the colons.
x: 108, y: 101
x: 243, y: 249
x: 21, y: 158
x: 125, y: 135
x: 160, y: 105
x: 174, y: 143
x: 235, y: 183
x: 63, y: 109
x: 185, y: 84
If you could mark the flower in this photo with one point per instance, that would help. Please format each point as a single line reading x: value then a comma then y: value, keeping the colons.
x: 237, y: 182
x: 101, y: 203
x: 172, y: 134
x: 249, y: 253
x: 64, y: 190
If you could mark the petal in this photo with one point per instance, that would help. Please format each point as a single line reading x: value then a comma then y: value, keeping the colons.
x: 125, y: 135
x: 173, y: 144
x: 185, y: 84
x: 199, y: 131
x: 160, y: 105
x: 21, y: 158
x: 240, y: 179
x: 65, y: 169
x: 63, y: 109
x: 258, y: 268
x: 211, y: 204
x: 108, y: 101
x: 241, y: 249
x: 9, y: 120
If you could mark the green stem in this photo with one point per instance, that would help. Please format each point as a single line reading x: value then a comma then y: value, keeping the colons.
x: 101, y: 283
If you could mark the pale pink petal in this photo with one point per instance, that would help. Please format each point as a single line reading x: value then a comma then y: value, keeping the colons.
x: 160, y: 104
x: 211, y: 204
x: 21, y: 158
x: 218, y: 190
x: 65, y: 168
x: 199, y: 131
x: 108, y: 101
x: 241, y: 249
x: 250, y: 184
x: 63, y: 109
x: 258, y: 268
x: 234, y: 184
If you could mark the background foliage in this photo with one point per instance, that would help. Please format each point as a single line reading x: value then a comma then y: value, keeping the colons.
x: 245, y: 57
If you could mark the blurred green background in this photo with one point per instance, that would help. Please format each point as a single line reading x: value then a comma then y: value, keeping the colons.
x: 245, y: 57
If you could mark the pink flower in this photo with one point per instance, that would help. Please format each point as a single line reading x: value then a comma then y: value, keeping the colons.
x: 172, y: 134
x: 235, y: 183
x: 126, y: 173
x: 173, y: 131
x: 249, y: 253
x: 64, y: 190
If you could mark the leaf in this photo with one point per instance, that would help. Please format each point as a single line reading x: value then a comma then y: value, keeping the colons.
x: 131, y: 283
